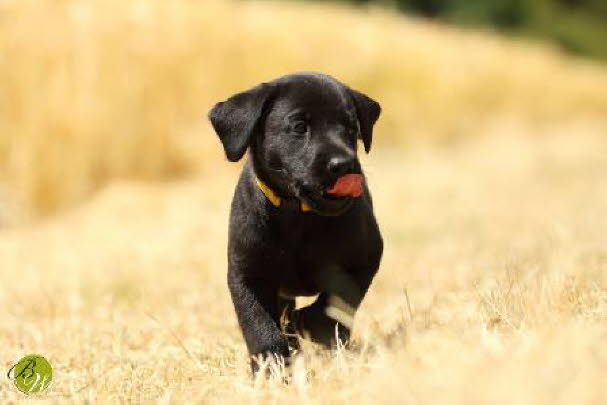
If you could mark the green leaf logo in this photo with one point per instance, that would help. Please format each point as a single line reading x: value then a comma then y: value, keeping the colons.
x: 32, y: 374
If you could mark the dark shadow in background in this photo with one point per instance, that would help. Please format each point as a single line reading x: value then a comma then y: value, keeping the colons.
x: 577, y: 26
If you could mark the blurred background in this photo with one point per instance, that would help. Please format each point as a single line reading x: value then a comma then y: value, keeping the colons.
x: 97, y: 90
x: 487, y: 170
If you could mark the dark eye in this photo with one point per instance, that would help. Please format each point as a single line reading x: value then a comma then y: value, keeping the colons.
x: 300, y: 127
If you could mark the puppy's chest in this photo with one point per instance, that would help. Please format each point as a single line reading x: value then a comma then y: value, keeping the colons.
x: 304, y: 245
x: 302, y: 277
x: 304, y: 257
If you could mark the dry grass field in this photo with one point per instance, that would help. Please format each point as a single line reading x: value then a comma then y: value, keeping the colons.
x: 489, y: 174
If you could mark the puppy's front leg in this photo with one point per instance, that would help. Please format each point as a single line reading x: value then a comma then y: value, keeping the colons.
x: 331, y: 316
x: 312, y: 322
x: 255, y: 302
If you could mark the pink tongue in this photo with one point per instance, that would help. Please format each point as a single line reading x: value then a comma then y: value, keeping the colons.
x: 349, y: 184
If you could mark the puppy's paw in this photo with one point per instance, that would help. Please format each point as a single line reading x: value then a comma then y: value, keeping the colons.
x: 271, y: 360
x: 315, y: 324
x: 271, y: 366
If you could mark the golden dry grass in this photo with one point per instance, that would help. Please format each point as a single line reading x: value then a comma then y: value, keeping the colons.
x: 499, y: 245
x: 493, y: 287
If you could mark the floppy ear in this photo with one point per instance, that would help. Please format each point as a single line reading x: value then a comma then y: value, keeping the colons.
x: 368, y: 111
x: 235, y: 120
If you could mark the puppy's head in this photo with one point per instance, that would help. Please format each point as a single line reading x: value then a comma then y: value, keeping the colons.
x: 302, y: 130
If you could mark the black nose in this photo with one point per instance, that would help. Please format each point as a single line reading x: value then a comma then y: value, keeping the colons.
x: 339, y: 166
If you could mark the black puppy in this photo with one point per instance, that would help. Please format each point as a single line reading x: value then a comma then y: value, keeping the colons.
x: 302, y: 219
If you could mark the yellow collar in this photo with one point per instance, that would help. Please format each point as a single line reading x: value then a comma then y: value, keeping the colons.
x: 274, y: 198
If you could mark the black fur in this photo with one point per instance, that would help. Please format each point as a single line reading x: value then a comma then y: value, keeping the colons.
x: 295, y: 127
